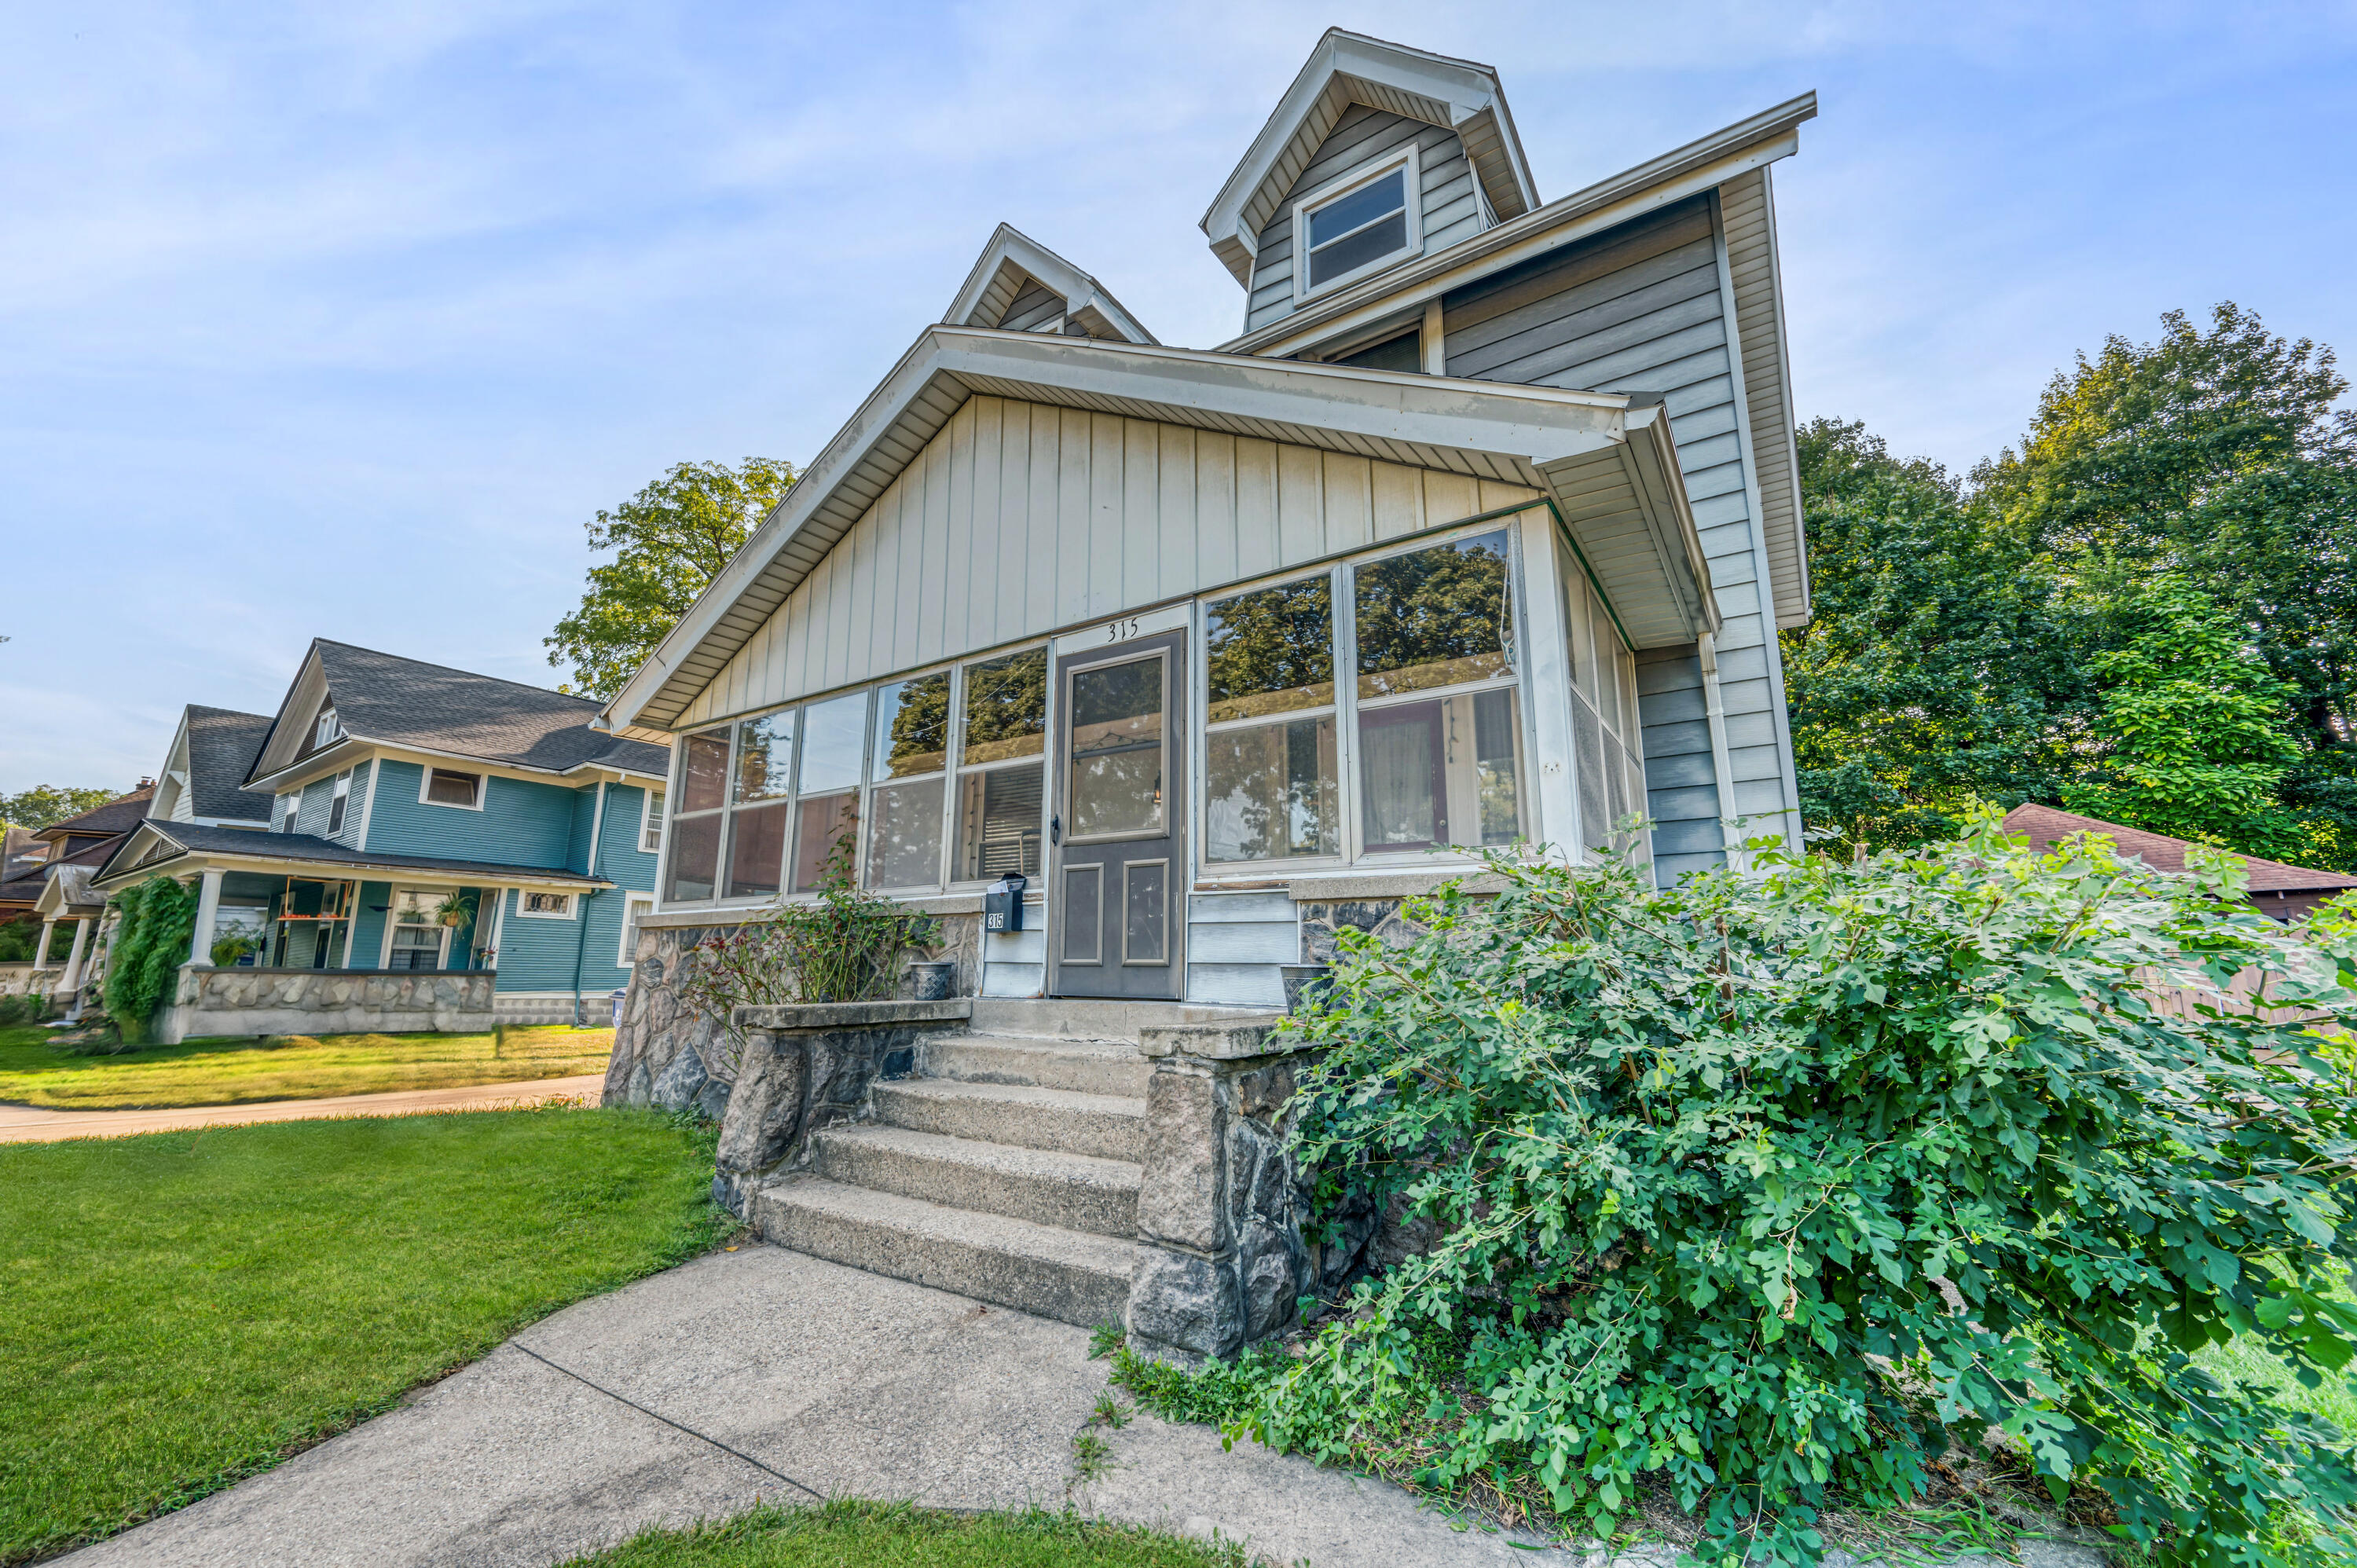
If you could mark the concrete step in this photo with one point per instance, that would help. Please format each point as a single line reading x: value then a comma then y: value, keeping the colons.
x: 1083, y: 1067
x: 1111, y: 1127
x: 1071, y: 1192
x: 1070, y: 1018
x: 1064, y: 1274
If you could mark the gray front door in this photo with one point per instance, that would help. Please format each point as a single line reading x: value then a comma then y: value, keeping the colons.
x: 1117, y: 895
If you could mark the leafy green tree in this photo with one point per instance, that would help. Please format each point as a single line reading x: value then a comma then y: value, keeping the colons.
x: 2195, y: 734
x: 670, y: 541
x: 1940, y: 667
x: 46, y: 805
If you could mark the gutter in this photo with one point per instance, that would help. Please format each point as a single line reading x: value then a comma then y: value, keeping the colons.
x: 581, y: 938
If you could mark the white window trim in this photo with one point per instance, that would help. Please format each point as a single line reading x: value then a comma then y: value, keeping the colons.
x: 339, y: 792
x: 328, y: 728
x: 650, y: 819
x: 524, y: 897
x: 1412, y: 190
x: 426, y: 786
x: 393, y: 905
x: 641, y: 905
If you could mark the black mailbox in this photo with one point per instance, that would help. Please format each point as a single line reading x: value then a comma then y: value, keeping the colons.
x: 1002, y: 903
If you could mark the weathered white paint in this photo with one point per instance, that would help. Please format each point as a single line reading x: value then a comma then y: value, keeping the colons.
x: 200, y: 940
x: 1021, y: 519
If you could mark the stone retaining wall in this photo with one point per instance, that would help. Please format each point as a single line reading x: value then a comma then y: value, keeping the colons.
x: 211, y: 1001
x: 670, y: 1056
x: 23, y: 979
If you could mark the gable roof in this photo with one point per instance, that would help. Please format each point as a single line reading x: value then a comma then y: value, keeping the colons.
x: 1604, y: 459
x: 1345, y: 68
x: 2044, y: 825
x: 1013, y: 259
x: 392, y: 701
x: 119, y: 815
x: 222, y: 747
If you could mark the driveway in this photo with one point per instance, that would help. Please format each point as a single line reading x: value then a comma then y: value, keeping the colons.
x: 39, y: 1124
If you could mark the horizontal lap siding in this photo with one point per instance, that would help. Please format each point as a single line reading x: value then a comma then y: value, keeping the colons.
x: 1020, y: 517
x: 538, y: 955
x: 1640, y: 308
x: 1032, y: 310
x: 521, y: 823
x: 1449, y: 210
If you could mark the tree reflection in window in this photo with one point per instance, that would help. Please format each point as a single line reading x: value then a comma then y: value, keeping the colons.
x: 1440, y: 616
x: 1271, y: 652
x: 1005, y: 708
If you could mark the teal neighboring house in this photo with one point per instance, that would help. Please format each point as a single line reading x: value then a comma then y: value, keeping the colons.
x: 443, y: 850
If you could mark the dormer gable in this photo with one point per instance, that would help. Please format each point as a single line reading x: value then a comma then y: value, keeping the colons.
x: 1020, y: 286
x: 1358, y: 107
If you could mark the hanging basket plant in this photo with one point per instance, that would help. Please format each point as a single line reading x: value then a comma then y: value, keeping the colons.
x: 455, y: 910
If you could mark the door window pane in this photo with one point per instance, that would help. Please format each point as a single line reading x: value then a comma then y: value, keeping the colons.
x: 912, y: 726
x: 1271, y: 792
x: 765, y: 758
x: 704, y: 772
x: 1444, y: 771
x: 998, y: 823
x: 1005, y: 708
x: 1434, y: 617
x: 822, y: 823
x: 1271, y: 652
x: 904, y: 834
x: 832, y: 734
x: 694, y: 849
x: 756, y: 849
x: 1116, y: 729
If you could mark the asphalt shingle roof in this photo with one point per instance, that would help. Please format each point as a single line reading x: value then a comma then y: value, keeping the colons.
x: 119, y: 815
x: 403, y: 702
x: 329, y: 853
x: 223, y: 744
x: 2044, y: 825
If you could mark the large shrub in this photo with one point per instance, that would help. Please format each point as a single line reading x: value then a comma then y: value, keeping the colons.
x: 1771, y: 1186
x: 156, y: 920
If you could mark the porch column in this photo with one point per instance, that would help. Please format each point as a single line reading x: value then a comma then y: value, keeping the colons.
x: 41, y: 954
x: 73, y: 959
x: 200, y: 942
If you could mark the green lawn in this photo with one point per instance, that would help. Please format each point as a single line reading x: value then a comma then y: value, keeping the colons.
x: 34, y: 1071
x: 183, y: 1309
x: 879, y: 1535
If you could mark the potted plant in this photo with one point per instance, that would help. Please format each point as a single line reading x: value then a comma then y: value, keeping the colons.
x: 228, y: 951
x: 455, y: 910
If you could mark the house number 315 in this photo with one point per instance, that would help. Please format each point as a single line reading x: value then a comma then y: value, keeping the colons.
x: 1122, y: 630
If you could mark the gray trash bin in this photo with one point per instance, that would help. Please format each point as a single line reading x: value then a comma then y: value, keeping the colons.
x: 620, y: 997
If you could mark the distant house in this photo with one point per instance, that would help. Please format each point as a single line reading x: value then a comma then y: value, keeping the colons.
x: 400, y: 818
x: 2278, y: 891
x: 55, y: 886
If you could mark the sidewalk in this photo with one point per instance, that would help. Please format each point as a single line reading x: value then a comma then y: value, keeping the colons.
x: 39, y: 1124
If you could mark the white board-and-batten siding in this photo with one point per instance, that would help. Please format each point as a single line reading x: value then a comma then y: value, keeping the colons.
x: 1020, y: 518
x: 1643, y: 308
x: 1450, y: 211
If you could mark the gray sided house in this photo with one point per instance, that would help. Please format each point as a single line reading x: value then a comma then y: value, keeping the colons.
x: 1480, y: 531
x: 402, y: 845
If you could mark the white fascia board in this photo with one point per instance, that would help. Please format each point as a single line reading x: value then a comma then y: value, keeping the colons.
x: 1463, y: 89
x: 309, y: 682
x: 348, y: 751
x: 1697, y: 167
x: 1010, y: 246
x: 614, y: 771
x: 359, y: 867
x: 1525, y: 425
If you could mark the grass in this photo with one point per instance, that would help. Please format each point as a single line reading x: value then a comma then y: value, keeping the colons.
x: 34, y: 1071
x: 888, y: 1535
x: 185, y: 1309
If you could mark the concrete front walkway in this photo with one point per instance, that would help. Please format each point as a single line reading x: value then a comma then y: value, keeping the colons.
x: 765, y: 1374
x: 39, y: 1125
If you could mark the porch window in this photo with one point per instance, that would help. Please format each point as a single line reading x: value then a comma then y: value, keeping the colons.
x: 911, y: 749
x: 335, y: 801
x: 1358, y: 223
x: 1439, y: 720
x: 834, y: 741
x: 760, y: 797
x: 635, y: 908
x: 702, y: 795
x: 1000, y: 808
x: 1271, y: 789
x: 1604, y: 718
x: 418, y: 939
x: 444, y: 787
x: 650, y: 822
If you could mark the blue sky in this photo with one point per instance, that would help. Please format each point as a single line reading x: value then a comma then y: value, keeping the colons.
x: 341, y: 320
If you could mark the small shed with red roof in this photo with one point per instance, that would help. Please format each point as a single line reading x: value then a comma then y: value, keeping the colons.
x: 2278, y: 891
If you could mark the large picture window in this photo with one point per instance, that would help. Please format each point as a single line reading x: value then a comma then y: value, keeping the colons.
x: 1001, y: 755
x: 701, y: 791
x: 835, y: 745
x: 761, y: 795
x: 911, y: 752
x: 1269, y: 764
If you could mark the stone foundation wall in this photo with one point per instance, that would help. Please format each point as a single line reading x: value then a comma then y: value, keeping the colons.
x: 326, y: 1002
x: 667, y: 1055
x: 23, y: 979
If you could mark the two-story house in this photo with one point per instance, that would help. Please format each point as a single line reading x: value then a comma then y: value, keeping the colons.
x: 1479, y: 532
x: 413, y: 820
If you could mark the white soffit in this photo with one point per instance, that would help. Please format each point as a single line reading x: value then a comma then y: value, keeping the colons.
x: 1350, y: 68
x: 1602, y: 462
x: 1013, y: 257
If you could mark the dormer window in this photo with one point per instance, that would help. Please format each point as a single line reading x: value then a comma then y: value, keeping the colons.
x: 1358, y: 224
x: 328, y: 729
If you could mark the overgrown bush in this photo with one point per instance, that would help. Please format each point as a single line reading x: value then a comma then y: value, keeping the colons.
x: 156, y: 920
x: 1770, y: 1186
